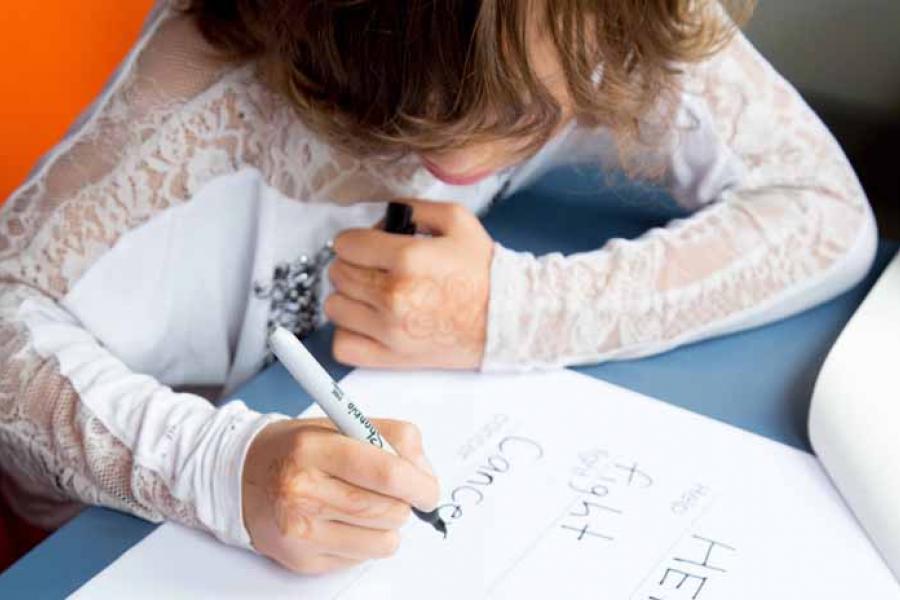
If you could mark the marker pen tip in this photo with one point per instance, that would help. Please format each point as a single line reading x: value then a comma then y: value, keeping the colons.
x: 433, y: 519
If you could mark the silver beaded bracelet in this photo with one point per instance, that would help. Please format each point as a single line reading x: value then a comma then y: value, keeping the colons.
x: 294, y: 293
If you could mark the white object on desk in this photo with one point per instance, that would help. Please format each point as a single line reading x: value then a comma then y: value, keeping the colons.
x: 562, y: 486
x: 854, y: 420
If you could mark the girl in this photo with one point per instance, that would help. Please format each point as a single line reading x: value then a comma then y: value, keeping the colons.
x: 192, y: 206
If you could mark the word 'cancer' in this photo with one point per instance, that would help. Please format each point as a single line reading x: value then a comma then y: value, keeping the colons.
x: 508, y: 452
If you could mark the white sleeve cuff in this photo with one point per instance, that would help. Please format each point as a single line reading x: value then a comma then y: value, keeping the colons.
x: 222, y: 508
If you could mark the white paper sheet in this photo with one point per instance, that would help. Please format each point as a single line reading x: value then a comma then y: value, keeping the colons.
x: 568, y: 487
x: 854, y: 421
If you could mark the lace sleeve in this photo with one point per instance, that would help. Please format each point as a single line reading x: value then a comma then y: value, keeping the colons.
x: 76, y: 424
x: 780, y: 224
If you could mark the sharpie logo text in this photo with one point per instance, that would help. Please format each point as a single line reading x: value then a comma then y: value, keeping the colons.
x: 372, y: 436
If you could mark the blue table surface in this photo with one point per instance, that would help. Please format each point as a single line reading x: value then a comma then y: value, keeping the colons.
x: 760, y: 380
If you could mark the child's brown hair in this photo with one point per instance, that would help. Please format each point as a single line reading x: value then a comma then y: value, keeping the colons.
x: 386, y: 76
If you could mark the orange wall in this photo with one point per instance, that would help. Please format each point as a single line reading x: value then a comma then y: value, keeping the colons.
x: 55, y: 56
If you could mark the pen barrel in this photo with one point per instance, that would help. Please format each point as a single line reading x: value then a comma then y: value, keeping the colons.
x: 340, y: 408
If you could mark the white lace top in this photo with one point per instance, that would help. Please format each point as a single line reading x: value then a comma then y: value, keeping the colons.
x: 128, y: 261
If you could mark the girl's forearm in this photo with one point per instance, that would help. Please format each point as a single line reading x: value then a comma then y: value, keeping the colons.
x: 781, y: 224
x: 79, y: 425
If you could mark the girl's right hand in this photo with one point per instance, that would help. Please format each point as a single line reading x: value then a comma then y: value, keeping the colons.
x: 315, y: 500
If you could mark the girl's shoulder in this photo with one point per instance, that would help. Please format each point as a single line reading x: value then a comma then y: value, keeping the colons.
x: 174, y: 116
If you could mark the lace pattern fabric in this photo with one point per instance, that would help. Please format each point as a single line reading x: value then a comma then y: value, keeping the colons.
x: 161, y: 131
x: 45, y: 429
x: 786, y: 221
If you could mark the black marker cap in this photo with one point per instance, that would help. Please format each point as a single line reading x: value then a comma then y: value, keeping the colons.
x: 398, y: 219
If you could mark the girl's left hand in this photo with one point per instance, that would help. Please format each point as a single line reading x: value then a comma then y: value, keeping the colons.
x: 408, y: 301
